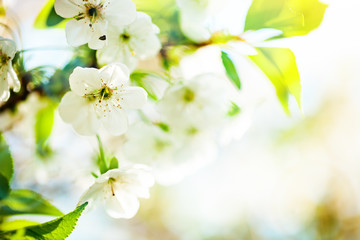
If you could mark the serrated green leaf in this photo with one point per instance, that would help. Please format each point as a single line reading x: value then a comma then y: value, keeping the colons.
x: 292, y: 17
x: 6, y: 162
x: 43, y: 127
x: 57, y: 229
x: 26, y: 202
x: 16, y: 224
x: 4, y: 187
x: 48, y: 18
x: 279, y: 65
x: 230, y: 69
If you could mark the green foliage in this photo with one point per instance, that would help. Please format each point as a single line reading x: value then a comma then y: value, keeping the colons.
x: 26, y: 202
x: 48, y: 18
x: 150, y: 82
x: 234, y: 110
x: 4, y: 187
x: 230, y: 69
x: 6, y: 162
x: 165, y: 15
x: 57, y: 229
x: 16, y: 224
x: 292, y: 17
x: 105, y: 162
x: 43, y: 128
x: 279, y: 65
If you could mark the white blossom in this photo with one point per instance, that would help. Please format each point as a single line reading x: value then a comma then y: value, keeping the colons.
x: 8, y: 77
x: 128, y: 44
x: 91, y: 18
x: 196, y: 104
x: 99, y: 97
x: 119, y: 190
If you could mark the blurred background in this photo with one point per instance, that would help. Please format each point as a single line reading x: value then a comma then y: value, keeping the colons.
x: 284, y: 177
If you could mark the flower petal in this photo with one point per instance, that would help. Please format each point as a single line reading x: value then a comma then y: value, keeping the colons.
x: 93, y: 195
x: 122, y: 205
x: 98, y: 35
x: 133, y: 98
x: 115, y: 122
x: 79, y: 112
x: 85, y: 80
x: 8, y: 47
x: 77, y: 32
x: 120, y: 12
x: 115, y: 75
x: 68, y: 8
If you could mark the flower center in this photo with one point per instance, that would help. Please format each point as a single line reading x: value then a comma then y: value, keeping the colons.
x: 111, y: 182
x: 3, y: 58
x: 125, y: 37
x: 92, y: 12
x: 189, y: 95
x: 105, y: 93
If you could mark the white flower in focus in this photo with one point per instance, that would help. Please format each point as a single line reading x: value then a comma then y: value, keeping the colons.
x: 119, y: 190
x: 8, y: 76
x: 90, y: 19
x: 128, y: 44
x: 100, y: 96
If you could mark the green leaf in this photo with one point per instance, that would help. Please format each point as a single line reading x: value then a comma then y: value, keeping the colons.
x: 114, y: 163
x: 6, y: 162
x: 4, y: 187
x: 234, y: 110
x: 279, y: 65
x: 101, y: 161
x: 154, y: 84
x: 230, y: 69
x: 26, y: 202
x: 292, y: 17
x: 57, y: 229
x: 48, y: 18
x: 43, y: 128
x: 17, y: 224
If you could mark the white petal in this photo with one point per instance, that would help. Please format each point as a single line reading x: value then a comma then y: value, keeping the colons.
x: 14, y: 79
x: 115, y: 122
x: 93, y: 195
x: 4, y: 89
x: 114, y: 75
x: 133, y: 98
x: 77, y: 32
x: 79, y: 112
x: 68, y: 8
x: 122, y: 205
x: 84, y: 80
x: 99, y: 31
x: 8, y: 47
x: 120, y: 12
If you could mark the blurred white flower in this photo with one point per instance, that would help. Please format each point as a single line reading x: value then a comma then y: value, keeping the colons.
x: 197, y: 17
x: 195, y: 105
x: 90, y: 19
x: 171, y: 154
x: 8, y: 76
x: 100, y: 96
x: 119, y: 190
x: 127, y: 44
